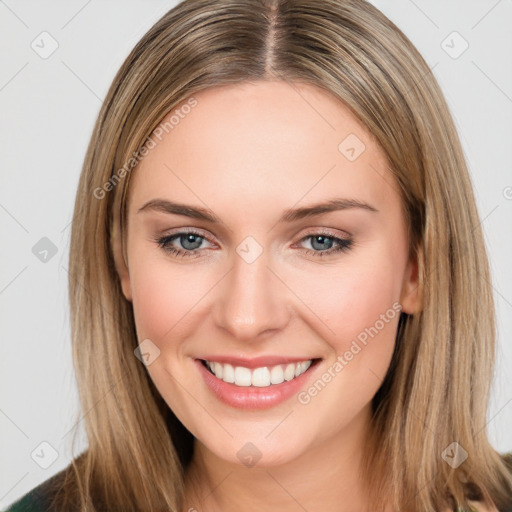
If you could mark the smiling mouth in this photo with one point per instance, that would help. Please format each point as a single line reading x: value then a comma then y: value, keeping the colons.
x: 265, y: 376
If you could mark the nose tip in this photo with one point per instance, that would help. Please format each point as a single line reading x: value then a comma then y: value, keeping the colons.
x: 251, y: 301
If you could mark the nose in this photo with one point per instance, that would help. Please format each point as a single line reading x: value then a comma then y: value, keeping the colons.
x: 252, y: 301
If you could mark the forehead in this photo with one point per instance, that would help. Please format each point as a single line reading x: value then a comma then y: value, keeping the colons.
x: 275, y: 142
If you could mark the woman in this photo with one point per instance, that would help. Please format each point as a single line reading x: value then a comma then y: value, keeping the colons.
x: 279, y: 288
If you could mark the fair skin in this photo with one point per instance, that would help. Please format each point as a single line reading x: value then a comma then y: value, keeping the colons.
x: 247, y: 153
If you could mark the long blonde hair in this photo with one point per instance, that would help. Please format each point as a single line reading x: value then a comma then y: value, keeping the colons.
x: 437, y: 388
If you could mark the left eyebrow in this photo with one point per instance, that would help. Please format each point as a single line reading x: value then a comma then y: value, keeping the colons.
x: 325, y: 207
x: 290, y: 215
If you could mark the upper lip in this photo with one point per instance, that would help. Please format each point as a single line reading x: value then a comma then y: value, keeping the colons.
x: 255, y: 362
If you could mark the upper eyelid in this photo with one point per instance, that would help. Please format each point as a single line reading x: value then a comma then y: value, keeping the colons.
x: 187, y: 231
x: 313, y: 232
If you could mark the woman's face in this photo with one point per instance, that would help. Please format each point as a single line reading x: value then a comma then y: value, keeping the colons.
x: 247, y: 274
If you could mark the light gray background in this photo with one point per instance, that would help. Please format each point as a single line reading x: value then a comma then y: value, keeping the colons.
x: 48, y: 107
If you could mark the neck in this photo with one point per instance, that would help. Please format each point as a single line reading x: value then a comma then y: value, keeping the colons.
x: 326, y: 477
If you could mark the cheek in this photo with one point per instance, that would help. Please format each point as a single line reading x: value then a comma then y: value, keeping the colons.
x: 356, y: 309
x: 348, y: 298
x: 367, y: 299
x: 362, y: 311
x: 163, y: 295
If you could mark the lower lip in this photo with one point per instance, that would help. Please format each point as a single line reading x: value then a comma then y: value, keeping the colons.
x: 252, y: 397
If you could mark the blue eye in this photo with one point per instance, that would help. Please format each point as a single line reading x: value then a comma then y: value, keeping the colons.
x: 323, y: 244
x: 187, y: 239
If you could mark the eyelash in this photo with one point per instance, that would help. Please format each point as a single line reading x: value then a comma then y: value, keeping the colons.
x: 343, y: 244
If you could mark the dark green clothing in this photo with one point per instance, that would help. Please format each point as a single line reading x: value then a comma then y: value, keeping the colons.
x: 39, y: 499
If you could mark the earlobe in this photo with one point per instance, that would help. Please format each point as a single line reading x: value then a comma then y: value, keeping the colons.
x: 411, y: 296
x: 125, y: 285
x: 120, y: 264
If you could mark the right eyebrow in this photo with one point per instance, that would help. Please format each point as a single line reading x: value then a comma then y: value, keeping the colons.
x: 164, y: 206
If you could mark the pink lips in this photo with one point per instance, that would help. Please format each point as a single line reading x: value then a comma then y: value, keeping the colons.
x: 251, y: 397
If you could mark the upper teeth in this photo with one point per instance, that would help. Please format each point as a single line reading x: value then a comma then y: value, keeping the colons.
x: 260, y: 377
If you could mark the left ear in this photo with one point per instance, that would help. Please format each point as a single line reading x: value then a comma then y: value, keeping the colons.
x: 411, y: 295
x: 120, y: 263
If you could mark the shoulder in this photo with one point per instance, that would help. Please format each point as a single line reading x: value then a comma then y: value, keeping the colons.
x: 39, y: 499
x: 488, y: 505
